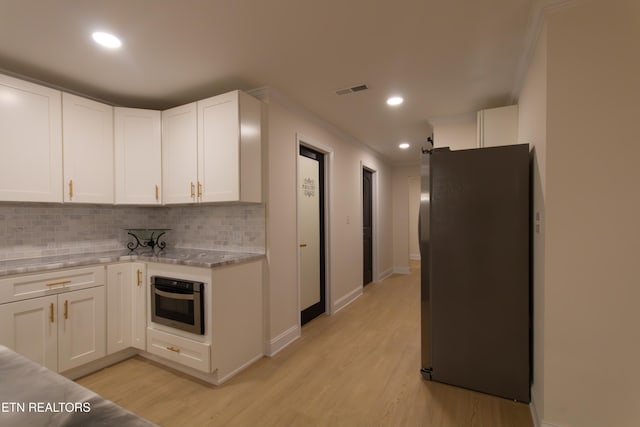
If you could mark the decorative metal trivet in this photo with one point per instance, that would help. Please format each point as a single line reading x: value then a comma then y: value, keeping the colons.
x: 147, y: 238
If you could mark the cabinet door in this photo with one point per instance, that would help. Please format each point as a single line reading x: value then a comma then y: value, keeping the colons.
x: 498, y: 126
x: 31, y: 144
x: 138, y: 157
x: 31, y: 328
x: 139, y: 306
x: 179, y: 154
x: 88, y: 150
x: 81, y: 327
x: 219, y: 148
x: 119, y: 307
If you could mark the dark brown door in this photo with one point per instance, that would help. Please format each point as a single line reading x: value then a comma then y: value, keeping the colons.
x: 367, y: 226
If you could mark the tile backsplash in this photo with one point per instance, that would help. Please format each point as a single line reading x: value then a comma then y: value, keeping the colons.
x: 36, y: 230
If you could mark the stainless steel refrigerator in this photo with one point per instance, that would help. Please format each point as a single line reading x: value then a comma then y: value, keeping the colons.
x: 475, y: 267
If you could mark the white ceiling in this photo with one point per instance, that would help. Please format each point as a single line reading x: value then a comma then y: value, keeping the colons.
x: 446, y: 57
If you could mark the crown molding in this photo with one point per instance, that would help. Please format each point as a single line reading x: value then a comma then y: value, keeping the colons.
x: 537, y: 19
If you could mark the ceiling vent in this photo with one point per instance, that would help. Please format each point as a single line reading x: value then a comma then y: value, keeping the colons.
x: 352, y: 89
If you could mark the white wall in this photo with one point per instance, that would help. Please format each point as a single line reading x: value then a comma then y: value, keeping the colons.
x: 532, y: 127
x: 400, y: 203
x: 592, y: 337
x: 588, y: 347
x: 414, y: 211
x: 456, y: 132
x: 286, y: 122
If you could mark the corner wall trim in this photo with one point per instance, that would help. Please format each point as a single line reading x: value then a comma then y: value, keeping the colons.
x: 278, y: 343
x: 244, y: 366
x: 402, y: 270
x: 385, y: 274
x: 535, y: 417
x: 537, y: 19
x: 346, y: 300
x: 534, y: 412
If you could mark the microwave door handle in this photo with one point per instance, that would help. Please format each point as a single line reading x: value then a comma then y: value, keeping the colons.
x: 174, y: 296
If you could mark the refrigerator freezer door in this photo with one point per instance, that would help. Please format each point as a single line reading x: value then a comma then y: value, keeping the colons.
x: 479, y: 269
x: 423, y: 225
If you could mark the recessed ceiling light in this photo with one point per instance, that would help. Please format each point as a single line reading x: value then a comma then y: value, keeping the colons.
x: 106, y: 40
x: 395, y: 100
x: 404, y: 145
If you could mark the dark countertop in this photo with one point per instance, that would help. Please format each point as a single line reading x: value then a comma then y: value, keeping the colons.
x: 190, y: 257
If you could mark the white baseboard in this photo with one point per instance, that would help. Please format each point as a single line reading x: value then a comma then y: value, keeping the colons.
x: 102, y: 363
x: 385, y: 274
x: 402, y: 270
x: 346, y: 300
x: 535, y: 417
x: 203, y: 376
x: 278, y: 343
x: 414, y: 257
x: 534, y: 412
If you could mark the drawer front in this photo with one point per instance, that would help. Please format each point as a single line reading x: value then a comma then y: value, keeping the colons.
x: 36, y: 285
x: 189, y: 353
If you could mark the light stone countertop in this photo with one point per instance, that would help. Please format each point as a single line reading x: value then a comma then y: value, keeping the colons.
x: 190, y: 257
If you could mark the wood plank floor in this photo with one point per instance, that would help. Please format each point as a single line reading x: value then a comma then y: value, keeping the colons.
x: 359, y: 367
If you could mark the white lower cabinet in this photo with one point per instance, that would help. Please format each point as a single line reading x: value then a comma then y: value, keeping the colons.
x: 234, y: 323
x: 237, y: 318
x: 30, y: 328
x: 67, y: 318
x: 187, y: 352
x: 126, y: 306
x: 59, y: 331
x: 139, y: 306
x: 81, y: 327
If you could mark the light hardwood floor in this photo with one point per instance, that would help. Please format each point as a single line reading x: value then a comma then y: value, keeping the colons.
x: 359, y: 367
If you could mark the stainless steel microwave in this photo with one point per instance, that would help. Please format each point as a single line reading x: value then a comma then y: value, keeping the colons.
x: 178, y: 303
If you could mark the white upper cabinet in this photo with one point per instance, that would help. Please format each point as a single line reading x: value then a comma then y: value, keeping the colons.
x: 229, y: 156
x: 30, y: 142
x: 59, y: 147
x: 138, y: 159
x: 88, y: 150
x: 179, y: 154
x: 498, y: 126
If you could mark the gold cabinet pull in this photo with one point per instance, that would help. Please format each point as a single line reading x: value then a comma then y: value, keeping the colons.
x: 199, y: 189
x: 139, y: 278
x: 51, y: 315
x: 303, y: 245
x: 157, y: 195
x: 62, y: 282
x: 174, y: 349
x: 192, y: 190
x: 70, y: 189
x: 66, y: 309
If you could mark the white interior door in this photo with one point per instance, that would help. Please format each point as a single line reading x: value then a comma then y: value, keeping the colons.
x: 309, y: 230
